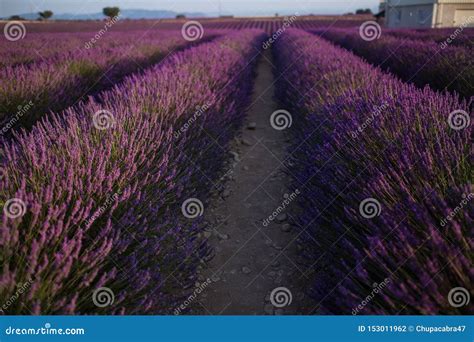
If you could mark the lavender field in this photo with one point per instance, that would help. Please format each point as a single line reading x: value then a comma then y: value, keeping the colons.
x: 298, y: 165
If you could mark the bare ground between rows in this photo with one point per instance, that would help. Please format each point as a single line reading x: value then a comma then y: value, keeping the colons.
x: 250, y: 259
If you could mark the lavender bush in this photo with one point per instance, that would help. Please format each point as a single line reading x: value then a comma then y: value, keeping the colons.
x: 423, y: 63
x: 461, y: 36
x: 99, y: 198
x: 54, y: 83
x: 363, y: 137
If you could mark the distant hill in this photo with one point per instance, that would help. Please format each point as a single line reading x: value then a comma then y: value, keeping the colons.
x: 124, y: 14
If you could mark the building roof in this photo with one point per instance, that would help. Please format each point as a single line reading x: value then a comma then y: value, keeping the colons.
x: 397, y: 3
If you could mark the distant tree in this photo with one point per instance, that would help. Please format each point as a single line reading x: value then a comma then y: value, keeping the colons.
x: 16, y: 17
x: 45, y: 15
x: 180, y: 16
x: 111, y: 12
x: 364, y: 11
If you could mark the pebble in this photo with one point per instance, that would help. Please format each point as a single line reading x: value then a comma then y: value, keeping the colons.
x: 275, y: 175
x: 246, y: 142
x: 224, y: 236
x: 276, y: 263
x: 235, y: 154
x: 246, y: 168
x: 272, y: 274
x: 246, y: 270
x: 207, y: 235
x: 226, y: 193
x: 286, y: 227
x: 252, y: 125
x: 281, y: 218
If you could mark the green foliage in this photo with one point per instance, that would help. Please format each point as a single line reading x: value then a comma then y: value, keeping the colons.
x: 111, y: 11
x: 45, y: 15
x: 16, y: 17
x: 364, y: 11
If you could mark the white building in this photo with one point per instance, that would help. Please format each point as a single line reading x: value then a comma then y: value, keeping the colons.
x: 428, y: 13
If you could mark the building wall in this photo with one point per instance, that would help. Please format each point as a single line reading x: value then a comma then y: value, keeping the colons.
x: 429, y: 13
x: 447, y: 16
x: 414, y: 16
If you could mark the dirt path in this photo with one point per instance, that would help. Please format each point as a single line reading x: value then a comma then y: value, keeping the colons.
x: 252, y: 259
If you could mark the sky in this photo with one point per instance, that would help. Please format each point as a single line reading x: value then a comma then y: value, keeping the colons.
x: 208, y: 7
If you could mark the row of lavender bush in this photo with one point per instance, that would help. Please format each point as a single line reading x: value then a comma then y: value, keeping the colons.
x: 380, y: 173
x: 94, y: 201
x: 35, y: 47
x: 462, y: 36
x: 57, y: 82
x: 423, y: 63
